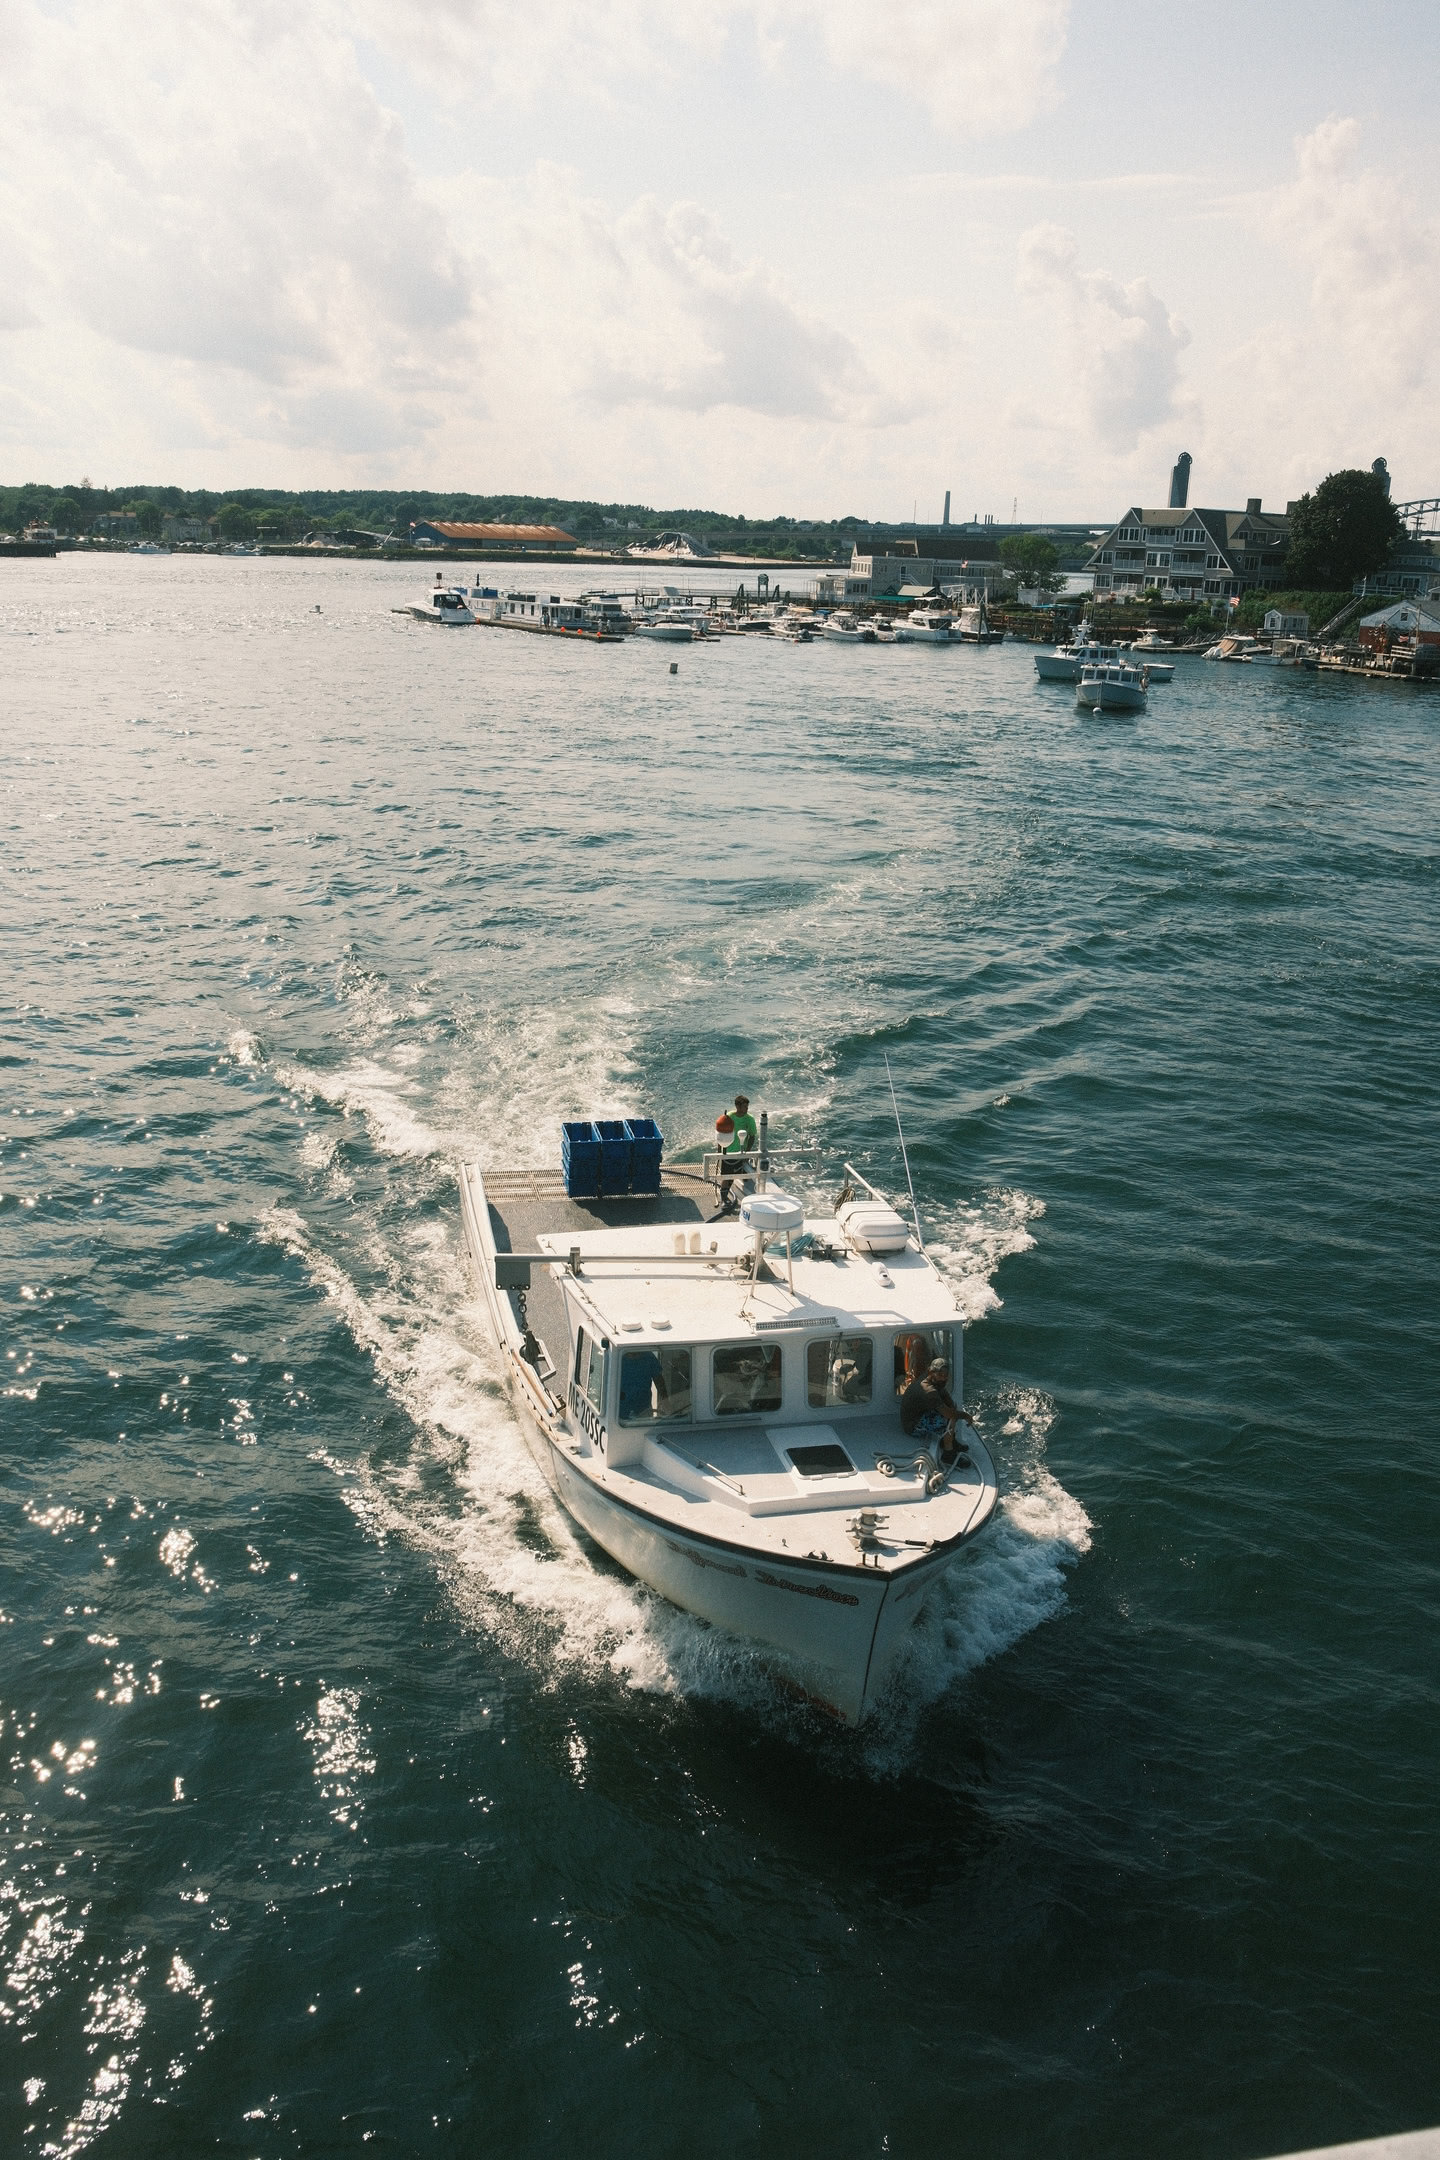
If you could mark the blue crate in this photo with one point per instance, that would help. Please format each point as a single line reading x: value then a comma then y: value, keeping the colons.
x: 580, y: 1159
x: 647, y: 1142
x: 614, y: 1156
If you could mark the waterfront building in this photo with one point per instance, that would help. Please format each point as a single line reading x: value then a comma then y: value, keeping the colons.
x: 886, y: 567
x: 174, y: 527
x: 524, y: 539
x: 1407, y: 619
x: 115, y: 525
x: 1193, y: 554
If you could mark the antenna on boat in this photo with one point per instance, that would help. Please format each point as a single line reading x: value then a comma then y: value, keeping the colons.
x: 904, y: 1152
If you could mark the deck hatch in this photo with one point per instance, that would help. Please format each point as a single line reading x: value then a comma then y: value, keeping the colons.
x: 826, y: 1461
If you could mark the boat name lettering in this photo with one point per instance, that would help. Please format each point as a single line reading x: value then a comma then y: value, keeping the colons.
x: 815, y: 1320
x: 820, y: 1590
x: 703, y: 1560
x: 587, y: 1415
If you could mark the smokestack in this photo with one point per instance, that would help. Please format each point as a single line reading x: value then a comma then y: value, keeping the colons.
x: 1180, y: 481
x: 946, y: 519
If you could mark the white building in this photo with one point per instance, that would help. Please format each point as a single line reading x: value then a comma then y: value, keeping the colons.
x: 902, y: 565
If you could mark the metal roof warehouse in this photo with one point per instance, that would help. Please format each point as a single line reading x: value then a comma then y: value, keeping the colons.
x: 448, y: 533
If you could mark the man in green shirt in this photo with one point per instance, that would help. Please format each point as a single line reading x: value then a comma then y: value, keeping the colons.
x: 742, y: 1139
x: 746, y: 1136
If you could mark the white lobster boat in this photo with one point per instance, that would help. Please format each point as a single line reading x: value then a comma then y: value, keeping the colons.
x: 1112, y: 689
x: 716, y: 1403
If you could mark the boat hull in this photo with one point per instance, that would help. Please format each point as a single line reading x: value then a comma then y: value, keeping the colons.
x: 1054, y: 667
x: 1110, y: 697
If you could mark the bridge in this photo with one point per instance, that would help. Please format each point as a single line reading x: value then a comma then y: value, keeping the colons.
x: 1421, y: 519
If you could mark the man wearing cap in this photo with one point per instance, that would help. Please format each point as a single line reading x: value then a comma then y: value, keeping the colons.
x: 927, y: 1412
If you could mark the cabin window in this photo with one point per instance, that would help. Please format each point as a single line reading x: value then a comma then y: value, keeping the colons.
x: 654, y: 1386
x: 590, y: 1371
x: 919, y: 1348
x: 839, y: 1369
x: 747, y: 1379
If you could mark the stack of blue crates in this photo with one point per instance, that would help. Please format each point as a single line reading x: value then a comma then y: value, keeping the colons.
x: 647, y: 1141
x: 614, y: 1157
x: 580, y: 1160
x: 611, y: 1158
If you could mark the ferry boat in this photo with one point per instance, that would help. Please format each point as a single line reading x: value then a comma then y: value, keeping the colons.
x: 925, y: 626
x: 1112, y: 689
x: 715, y: 1399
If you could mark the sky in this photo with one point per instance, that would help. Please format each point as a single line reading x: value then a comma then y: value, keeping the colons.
x: 824, y: 258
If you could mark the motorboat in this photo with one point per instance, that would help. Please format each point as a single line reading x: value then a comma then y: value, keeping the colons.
x: 925, y: 626
x: 1238, y: 651
x: 797, y: 626
x: 845, y: 629
x: 670, y: 629
x: 1115, y: 688
x: 1151, y: 642
x: 1286, y: 653
x: 1065, y: 663
x: 446, y: 604
x: 148, y: 547
x: 715, y: 1399
x: 973, y: 628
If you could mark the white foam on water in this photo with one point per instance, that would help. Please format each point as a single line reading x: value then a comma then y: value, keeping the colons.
x: 968, y: 1241
x: 1006, y: 1584
x: 372, y: 1092
x: 524, y: 1072
x: 244, y: 1047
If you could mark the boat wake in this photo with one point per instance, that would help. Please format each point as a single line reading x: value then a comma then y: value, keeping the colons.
x: 468, y: 1492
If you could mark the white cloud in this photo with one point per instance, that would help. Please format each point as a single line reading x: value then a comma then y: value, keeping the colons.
x: 1374, y: 259
x: 978, y: 67
x: 1121, y: 345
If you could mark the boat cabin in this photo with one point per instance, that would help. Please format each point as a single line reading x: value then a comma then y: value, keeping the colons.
x: 792, y: 1376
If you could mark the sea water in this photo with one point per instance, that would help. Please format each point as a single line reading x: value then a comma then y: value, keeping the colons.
x: 352, y: 1801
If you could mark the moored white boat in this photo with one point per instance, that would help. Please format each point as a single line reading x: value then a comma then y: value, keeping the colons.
x: 925, y: 626
x: 973, y: 627
x: 1065, y: 663
x: 845, y: 629
x: 446, y: 604
x: 716, y: 1403
x: 1115, y: 688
